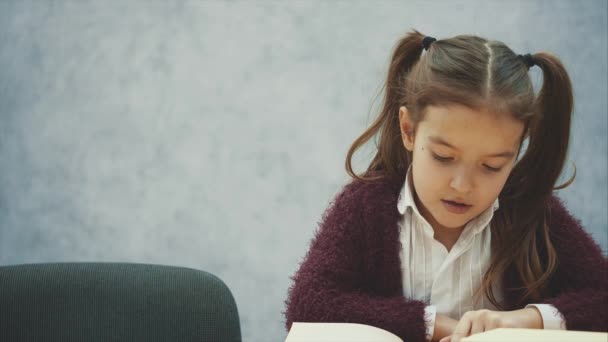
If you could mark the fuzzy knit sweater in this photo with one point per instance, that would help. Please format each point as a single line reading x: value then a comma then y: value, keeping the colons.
x: 352, y: 271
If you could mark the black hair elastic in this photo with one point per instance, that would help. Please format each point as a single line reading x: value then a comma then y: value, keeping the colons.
x: 426, y: 42
x: 528, y: 59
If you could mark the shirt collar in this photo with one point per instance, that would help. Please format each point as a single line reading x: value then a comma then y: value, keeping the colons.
x: 406, y: 200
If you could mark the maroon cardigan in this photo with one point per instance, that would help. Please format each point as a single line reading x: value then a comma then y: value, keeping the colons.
x: 352, y: 272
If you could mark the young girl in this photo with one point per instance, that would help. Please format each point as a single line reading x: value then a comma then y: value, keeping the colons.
x: 453, y: 229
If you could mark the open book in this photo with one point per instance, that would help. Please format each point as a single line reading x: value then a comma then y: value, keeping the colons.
x: 326, y: 332
x: 351, y: 332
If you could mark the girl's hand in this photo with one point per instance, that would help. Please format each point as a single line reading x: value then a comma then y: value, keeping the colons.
x: 474, y: 322
x: 444, y: 326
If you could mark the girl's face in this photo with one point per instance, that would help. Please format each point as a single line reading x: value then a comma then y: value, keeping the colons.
x: 459, y: 154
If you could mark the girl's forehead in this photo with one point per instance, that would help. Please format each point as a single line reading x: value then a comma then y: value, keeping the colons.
x: 458, y: 126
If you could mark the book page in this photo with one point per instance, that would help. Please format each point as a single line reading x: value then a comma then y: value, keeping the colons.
x: 338, y: 332
x: 536, y: 335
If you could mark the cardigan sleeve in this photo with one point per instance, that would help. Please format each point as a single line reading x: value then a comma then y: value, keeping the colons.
x: 328, y: 287
x: 581, y: 276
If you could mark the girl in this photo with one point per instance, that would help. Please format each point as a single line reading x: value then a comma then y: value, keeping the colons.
x: 453, y: 229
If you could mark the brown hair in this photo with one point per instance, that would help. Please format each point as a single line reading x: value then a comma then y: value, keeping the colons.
x: 485, y: 74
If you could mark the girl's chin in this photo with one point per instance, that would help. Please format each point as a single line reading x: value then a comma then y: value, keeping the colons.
x: 451, y: 222
x: 452, y: 225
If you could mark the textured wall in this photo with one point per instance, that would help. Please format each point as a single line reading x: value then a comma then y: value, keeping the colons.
x: 212, y: 134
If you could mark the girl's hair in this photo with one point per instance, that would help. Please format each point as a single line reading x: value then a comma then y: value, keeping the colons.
x: 485, y: 74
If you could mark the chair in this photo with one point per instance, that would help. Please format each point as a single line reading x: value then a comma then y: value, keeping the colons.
x: 114, y: 302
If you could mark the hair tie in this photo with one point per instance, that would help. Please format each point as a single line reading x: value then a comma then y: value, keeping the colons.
x: 426, y: 42
x: 528, y: 59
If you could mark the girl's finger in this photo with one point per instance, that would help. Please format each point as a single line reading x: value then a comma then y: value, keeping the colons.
x: 446, y: 339
x: 462, y: 329
x: 477, y: 326
x: 491, y: 324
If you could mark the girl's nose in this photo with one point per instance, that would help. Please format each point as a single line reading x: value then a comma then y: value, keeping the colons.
x: 462, y: 181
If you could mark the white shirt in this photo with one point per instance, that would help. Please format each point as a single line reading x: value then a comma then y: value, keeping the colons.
x: 446, y: 281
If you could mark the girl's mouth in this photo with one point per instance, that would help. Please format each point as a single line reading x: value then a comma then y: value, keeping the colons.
x: 455, y: 207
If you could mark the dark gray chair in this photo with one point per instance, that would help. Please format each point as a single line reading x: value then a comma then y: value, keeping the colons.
x: 114, y: 302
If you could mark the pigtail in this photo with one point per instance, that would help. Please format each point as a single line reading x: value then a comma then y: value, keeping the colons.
x: 532, y: 181
x: 390, y: 157
x: 549, y: 134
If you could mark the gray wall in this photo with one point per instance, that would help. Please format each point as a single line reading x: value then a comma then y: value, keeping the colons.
x: 212, y: 135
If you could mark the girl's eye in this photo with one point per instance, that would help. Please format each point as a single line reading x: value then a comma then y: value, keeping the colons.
x: 441, y: 159
x: 448, y: 159
x: 493, y: 169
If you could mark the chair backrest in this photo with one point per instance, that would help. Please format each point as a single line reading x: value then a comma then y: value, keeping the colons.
x: 114, y: 302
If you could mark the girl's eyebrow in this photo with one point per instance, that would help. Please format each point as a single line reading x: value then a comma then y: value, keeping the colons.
x: 440, y: 141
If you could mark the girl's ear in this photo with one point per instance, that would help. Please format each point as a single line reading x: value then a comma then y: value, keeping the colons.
x: 407, y: 128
